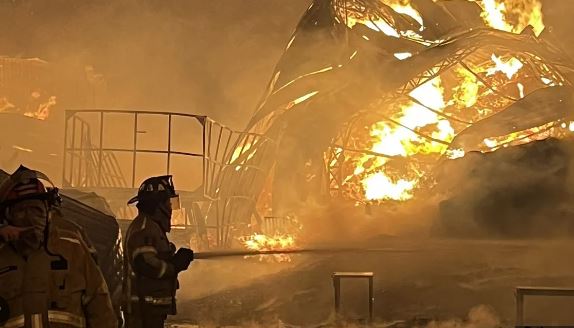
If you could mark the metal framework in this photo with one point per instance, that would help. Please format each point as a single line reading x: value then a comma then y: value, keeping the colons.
x: 227, y: 160
x: 241, y: 172
x: 92, y: 170
x: 337, y: 276
x: 343, y: 147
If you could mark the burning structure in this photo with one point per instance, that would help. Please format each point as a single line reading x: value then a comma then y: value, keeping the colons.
x: 370, y: 95
x: 367, y: 99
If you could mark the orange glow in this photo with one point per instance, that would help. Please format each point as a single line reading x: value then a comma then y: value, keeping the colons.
x: 497, y: 13
x: 261, y: 242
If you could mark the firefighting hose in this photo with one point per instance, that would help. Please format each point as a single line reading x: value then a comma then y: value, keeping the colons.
x: 327, y: 251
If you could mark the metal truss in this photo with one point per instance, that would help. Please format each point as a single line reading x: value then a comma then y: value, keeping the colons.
x: 336, y: 156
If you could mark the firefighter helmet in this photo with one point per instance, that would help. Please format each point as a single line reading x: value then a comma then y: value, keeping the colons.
x: 155, y: 190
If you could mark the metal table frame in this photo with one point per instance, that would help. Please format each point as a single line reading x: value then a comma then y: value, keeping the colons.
x: 337, y: 276
x: 536, y: 291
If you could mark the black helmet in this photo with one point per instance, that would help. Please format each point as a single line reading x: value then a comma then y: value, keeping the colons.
x: 155, y: 190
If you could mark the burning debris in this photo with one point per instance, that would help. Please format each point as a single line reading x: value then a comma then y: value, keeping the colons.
x: 427, y: 121
x: 370, y: 96
x: 387, y: 90
x: 43, y: 111
x: 260, y: 242
x: 512, y: 15
x: 22, y: 83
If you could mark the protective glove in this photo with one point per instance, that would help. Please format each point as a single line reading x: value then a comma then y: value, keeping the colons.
x: 182, y: 259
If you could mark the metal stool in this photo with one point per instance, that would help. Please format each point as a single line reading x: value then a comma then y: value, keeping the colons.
x: 536, y: 291
x: 337, y: 276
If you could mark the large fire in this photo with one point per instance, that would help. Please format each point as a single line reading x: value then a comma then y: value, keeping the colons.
x: 400, y: 139
x: 393, y: 149
x: 513, y: 15
x: 420, y: 127
x: 506, y: 15
x: 382, y: 173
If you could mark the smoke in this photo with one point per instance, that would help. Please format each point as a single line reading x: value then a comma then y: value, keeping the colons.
x: 481, y: 316
x: 517, y: 192
x: 210, y: 57
x: 346, y: 223
x: 200, y: 57
x: 522, y: 191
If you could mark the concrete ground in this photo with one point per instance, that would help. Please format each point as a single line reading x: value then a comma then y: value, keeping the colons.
x: 435, y: 280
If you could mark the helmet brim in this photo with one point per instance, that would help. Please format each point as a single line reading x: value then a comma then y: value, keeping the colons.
x: 133, y: 200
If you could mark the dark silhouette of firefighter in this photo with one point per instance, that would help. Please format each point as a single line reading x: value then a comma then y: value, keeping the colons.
x: 151, y: 263
x: 48, y: 277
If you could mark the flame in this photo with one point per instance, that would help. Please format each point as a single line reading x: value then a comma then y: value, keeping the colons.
x: 380, y: 178
x: 509, y: 68
x: 43, y: 111
x: 455, y: 153
x: 379, y: 186
x: 493, y: 15
x: 513, y: 15
x: 401, y: 140
x: 490, y: 143
x: 380, y: 25
x: 548, y: 81
x: 420, y: 129
x: 404, y: 7
x: 466, y: 94
x: 522, y: 137
x: 403, y: 55
x: 261, y: 242
x: 506, y: 15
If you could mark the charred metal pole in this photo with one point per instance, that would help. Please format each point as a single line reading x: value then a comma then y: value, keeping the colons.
x: 327, y: 251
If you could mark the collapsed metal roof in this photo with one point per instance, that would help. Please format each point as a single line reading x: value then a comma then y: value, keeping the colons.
x: 341, y: 66
x: 326, y: 57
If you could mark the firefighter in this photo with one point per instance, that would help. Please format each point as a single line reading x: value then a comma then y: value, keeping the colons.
x: 12, y: 233
x: 151, y: 263
x: 47, y: 276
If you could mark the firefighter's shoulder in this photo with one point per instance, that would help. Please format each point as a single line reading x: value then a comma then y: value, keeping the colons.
x: 67, y: 243
x: 73, y: 230
x: 142, y: 228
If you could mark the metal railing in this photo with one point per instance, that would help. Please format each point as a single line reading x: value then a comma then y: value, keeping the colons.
x: 232, y: 164
x: 105, y: 176
x: 83, y: 167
